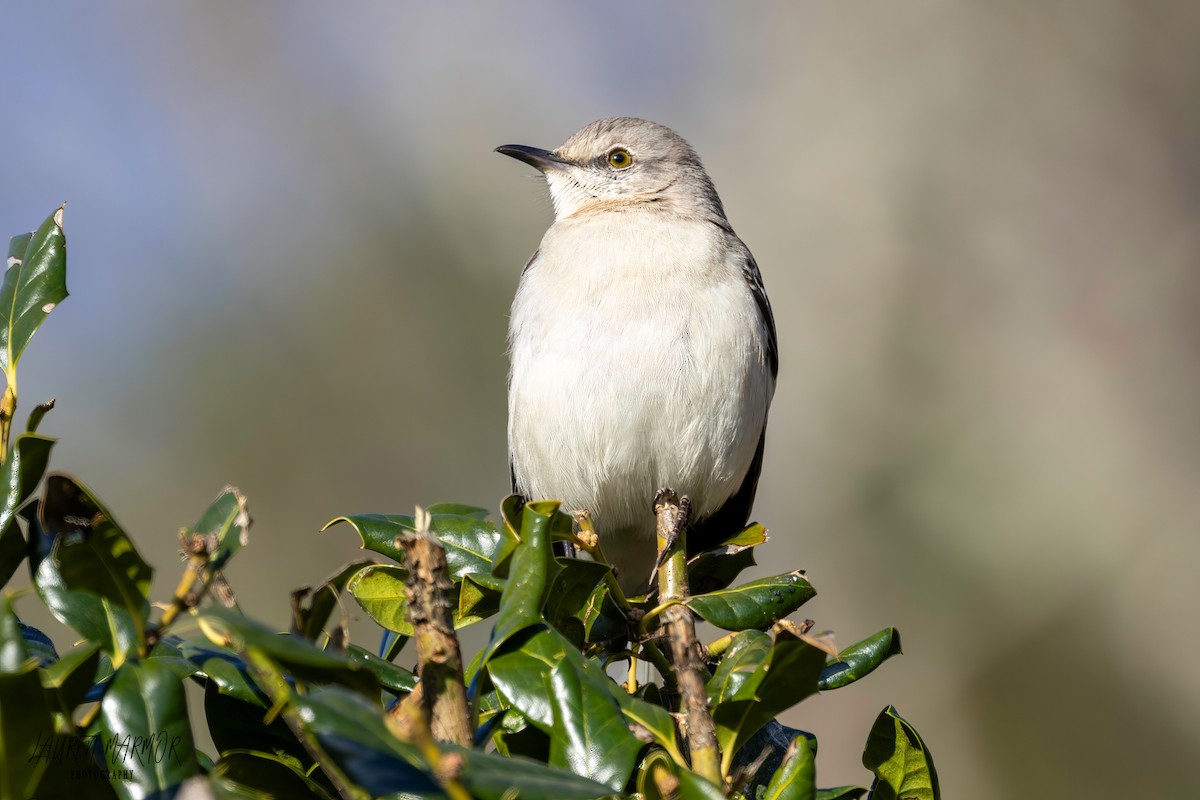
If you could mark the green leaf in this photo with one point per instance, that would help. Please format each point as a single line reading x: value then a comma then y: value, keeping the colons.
x: 716, y: 568
x: 693, y: 787
x: 95, y: 574
x: 67, y: 680
x: 144, y: 713
x: 489, y: 776
x: 510, y: 537
x: 33, y: 643
x: 841, y: 793
x: 459, y: 510
x: 167, y: 652
x: 379, y: 590
x: 224, y: 670
x: 267, y: 773
x: 353, y: 733
x: 24, y: 718
x: 24, y: 723
x: 602, y: 619
x: 64, y: 756
x: 34, y: 283
x: 21, y: 474
x: 590, y: 735
x: 521, y: 668
x: 298, y: 656
x: 479, y: 595
x: 309, y: 620
x: 796, y: 778
x: 237, y: 725
x: 394, y: 679
x: 754, y: 605
x: 902, y: 765
x: 860, y: 659
x: 469, y: 541
x: 35, y: 416
x: 390, y: 645
x: 749, y: 689
x: 533, y: 569
x: 570, y: 595
x: 225, y: 525
x: 656, y: 720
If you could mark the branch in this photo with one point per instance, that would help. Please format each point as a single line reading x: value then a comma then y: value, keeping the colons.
x: 698, y: 730
x: 439, y: 661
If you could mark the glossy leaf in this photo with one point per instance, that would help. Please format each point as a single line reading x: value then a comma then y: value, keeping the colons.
x: 754, y: 605
x: 571, y: 594
x: 390, y: 645
x: 390, y: 677
x: 510, y: 534
x: 64, y: 757
x: 267, y: 773
x: 237, y: 725
x: 797, y: 778
x: 469, y: 541
x: 145, y: 705
x: 590, y: 735
x: 860, y: 659
x: 67, y: 681
x: 714, y: 569
x: 480, y: 595
x: 379, y: 591
x: 755, y: 688
x: 21, y: 473
x: 25, y: 722
x: 225, y: 670
x: 95, y: 576
x: 521, y: 669
x: 34, y: 283
x: 841, y: 793
x: 693, y: 787
x: 353, y: 733
x: 225, y: 525
x: 309, y: 619
x: 298, y: 656
x: 38, y: 645
x: 902, y: 765
x: 533, y: 570
x: 489, y: 776
x: 654, y: 719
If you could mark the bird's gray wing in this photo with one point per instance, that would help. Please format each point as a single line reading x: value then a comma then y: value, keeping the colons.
x: 731, y: 517
x: 754, y: 280
x: 735, y: 512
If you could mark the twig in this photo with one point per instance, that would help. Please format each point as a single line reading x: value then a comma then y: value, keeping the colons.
x: 268, y: 678
x: 690, y: 674
x: 8, y: 407
x: 409, y: 723
x: 439, y: 661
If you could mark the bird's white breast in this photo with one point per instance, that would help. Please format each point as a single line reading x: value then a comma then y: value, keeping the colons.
x: 638, y: 362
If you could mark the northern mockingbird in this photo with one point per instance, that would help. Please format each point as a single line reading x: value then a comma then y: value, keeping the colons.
x: 642, y: 345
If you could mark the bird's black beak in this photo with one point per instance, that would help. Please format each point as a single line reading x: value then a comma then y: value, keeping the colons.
x: 543, y: 160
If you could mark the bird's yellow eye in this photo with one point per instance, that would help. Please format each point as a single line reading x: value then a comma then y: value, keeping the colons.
x: 620, y: 158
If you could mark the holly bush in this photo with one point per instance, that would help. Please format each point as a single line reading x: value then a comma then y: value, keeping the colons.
x: 307, y: 713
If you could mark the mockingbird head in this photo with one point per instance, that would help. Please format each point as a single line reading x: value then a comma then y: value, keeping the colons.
x: 623, y: 162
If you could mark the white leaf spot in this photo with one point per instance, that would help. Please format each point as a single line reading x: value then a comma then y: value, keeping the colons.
x: 46, y: 309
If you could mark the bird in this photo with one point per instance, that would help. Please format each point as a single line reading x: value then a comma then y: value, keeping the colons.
x: 642, y: 346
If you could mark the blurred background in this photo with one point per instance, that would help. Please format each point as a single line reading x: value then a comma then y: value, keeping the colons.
x: 292, y: 253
